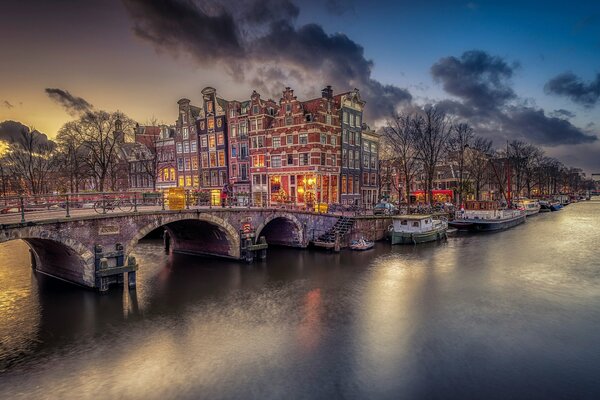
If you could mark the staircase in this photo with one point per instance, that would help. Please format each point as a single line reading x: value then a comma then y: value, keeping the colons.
x: 342, y: 226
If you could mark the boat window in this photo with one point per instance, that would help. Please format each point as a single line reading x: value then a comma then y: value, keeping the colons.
x: 416, y: 224
x: 404, y: 222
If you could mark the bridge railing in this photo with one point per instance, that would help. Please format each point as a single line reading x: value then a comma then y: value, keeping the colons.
x: 37, y: 207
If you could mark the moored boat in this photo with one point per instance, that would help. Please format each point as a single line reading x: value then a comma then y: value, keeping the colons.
x: 545, y: 206
x: 531, y: 207
x: 361, y: 244
x: 486, y: 216
x: 418, y: 228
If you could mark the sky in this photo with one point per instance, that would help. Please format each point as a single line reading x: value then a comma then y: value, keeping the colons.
x: 527, y: 70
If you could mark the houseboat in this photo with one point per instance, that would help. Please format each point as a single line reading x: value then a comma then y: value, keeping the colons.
x: 418, y: 228
x: 486, y: 216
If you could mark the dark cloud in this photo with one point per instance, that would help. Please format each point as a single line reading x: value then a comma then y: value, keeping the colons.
x: 481, y: 80
x: 73, y: 104
x: 488, y: 102
x: 539, y: 128
x: 569, y: 85
x: 562, y: 113
x: 12, y: 132
x: 247, y: 42
x: 7, y: 104
x: 264, y: 11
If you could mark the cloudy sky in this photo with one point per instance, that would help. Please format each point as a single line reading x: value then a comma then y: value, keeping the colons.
x: 524, y: 70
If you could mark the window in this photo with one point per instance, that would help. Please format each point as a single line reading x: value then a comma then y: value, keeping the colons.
x: 194, y: 163
x: 358, y: 120
x: 275, y: 161
x: 323, y: 138
x: 260, y: 124
x: 344, y: 136
x: 187, y: 164
x: 211, y: 123
x: 221, y: 158
x: 365, y: 161
x: 356, y: 185
x: 303, y: 138
x: 333, y: 160
x: 213, y: 159
x: 233, y: 151
x: 180, y: 164
x: 345, y: 117
x: 276, y: 142
x: 244, y: 151
x: 333, y: 141
x: 243, y: 129
x: 350, y: 185
x: 186, y: 147
x: 290, y: 139
x: 323, y: 159
x: 179, y: 148
x: 303, y: 159
x: 345, y: 158
x: 255, y: 109
x: 232, y: 113
x: 366, y: 146
x: 204, y: 142
x: 328, y: 119
x: 233, y: 131
x: 233, y: 170
x: 185, y: 132
x: 290, y: 159
x: 194, y: 147
x: 220, y: 139
x: 357, y: 159
x: 288, y: 107
x: 343, y: 184
x: 259, y: 160
x: 252, y: 125
x: 244, y: 171
x: 180, y: 183
x: 211, y: 141
x: 261, y: 141
x: 204, y: 160
x: 289, y: 120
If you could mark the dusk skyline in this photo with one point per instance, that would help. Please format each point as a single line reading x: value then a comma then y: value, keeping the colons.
x: 514, y: 71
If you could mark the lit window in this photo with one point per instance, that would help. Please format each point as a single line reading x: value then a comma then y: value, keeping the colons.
x: 221, y: 158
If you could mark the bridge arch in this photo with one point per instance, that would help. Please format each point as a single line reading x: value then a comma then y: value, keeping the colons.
x: 281, y: 228
x: 201, y: 233
x: 57, y: 255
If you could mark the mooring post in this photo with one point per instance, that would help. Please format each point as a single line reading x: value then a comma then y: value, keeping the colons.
x: 249, y: 253
x: 131, y: 262
x: 263, y: 252
x: 166, y: 241
x: 103, y: 280
x: 336, y: 246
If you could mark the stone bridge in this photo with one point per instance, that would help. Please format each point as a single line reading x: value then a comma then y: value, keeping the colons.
x: 68, y: 248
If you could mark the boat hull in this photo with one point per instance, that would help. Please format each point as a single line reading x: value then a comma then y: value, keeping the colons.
x: 416, y: 238
x: 482, y: 225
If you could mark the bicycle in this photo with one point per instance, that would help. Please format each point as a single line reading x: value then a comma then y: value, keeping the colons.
x: 102, y: 206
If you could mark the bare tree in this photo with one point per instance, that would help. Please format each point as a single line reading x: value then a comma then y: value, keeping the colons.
x: 400, y: 136
x: 461, y: 138
x: 477, y: 162
x: 431, y: 131
x: 73, y: 157
x: 96, y: 133
x: 30, y: 160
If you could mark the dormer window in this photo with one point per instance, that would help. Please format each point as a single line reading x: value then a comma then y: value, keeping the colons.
x: 255, y: 109
x: 288, y: 108
x: 309, y: 118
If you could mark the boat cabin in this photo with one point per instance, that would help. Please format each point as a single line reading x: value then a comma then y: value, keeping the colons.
x: 482, y: 205
x: 413, y: 223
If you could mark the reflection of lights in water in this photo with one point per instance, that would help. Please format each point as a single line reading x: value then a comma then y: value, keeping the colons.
x: 309, y: 331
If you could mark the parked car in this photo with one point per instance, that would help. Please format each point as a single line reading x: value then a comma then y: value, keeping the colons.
x: 385, y: 209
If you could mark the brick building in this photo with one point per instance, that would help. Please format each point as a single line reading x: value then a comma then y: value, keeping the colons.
x: 296, y: 153
x: 369, y: 167
x: 186, y: 145
x: 213, y: 149
x: 351, y: 109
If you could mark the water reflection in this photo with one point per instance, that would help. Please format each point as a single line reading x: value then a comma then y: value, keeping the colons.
x: 508, y: 315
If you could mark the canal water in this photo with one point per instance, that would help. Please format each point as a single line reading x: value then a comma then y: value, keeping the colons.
x: 514, y: 314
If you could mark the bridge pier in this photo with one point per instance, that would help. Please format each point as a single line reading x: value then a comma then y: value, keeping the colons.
x: 110, y: 268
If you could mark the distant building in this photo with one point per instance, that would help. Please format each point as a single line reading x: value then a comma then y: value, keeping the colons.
x: 369, y: 167
x: 186, y: 145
